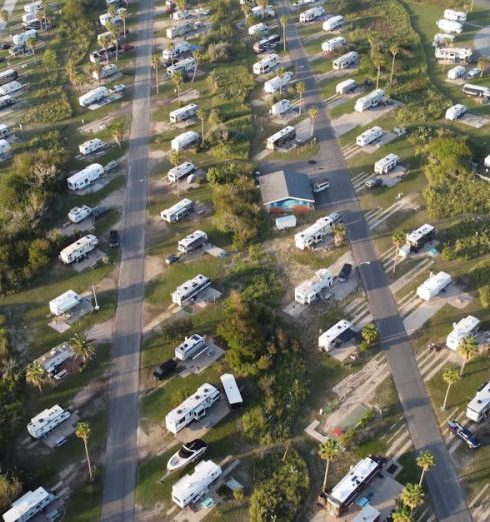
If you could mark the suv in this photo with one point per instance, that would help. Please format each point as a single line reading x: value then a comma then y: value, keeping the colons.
x: 114, y: 239
x: 345, y: 272
x: 372, y: 183
x: 164, y: 370
x: 471, y: 440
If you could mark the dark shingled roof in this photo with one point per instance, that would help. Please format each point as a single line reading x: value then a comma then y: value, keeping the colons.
x: 281, y: 185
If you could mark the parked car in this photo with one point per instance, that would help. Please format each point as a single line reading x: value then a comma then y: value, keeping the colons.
x: 372, y: 183
x: 336, y: 217
x: 114, y: 240
x: 6, y: 45
x: 473, y: 73
x: 112, y: 165
x: 171, y: 259
x: 345, y: 272
x: 189, y: 452
x: 321, y: 185
x: 164, y: 370
x: 120, y: 87
x: 471, y: 440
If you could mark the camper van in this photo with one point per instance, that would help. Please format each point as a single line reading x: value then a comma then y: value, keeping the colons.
x: 334, y: 23
x: 180, y: 49
x: 175, y: 174
x: 185, y: 140
x: 185, y: 66
x: 91, y: 146
x: 183, y: 113
x: 386, y: 164
x: 449, y: 26
x: 455, y: 16
x: 85, y: 177
x: 369, y: 136
x: 266, y: 65
x: 311, y: 14
x: 476, y: 90
x: 281, y: 107
x: 281, y: 138
x: 453, y: 54
x: 456, y: 72
x: 93, y: 96
x: 373, y: 99
x: 345, y: 61
x: 455, y: 112
x: 179, y: 30
x: 346, y: 86
x: 277, y: 83
x: 333, y: 44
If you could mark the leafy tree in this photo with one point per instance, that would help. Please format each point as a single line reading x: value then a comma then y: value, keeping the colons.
x: 412, y: 496
x: 35, y: 375
x: 283, y: 21
x: 10, y: 490
x: 118, y: 128
x: 83, y: 432
x: 49, y: 61
x: 369, y: 334
x: 83, y: 347
x: 299, y: 87
x: 402, y: 514
x: 425, y: 461
x: 328, y: 451
x: 339, y: 234
x: 39, y: 252
x: 482, y: 64
x: 313, y: 114
x: 450, y: 376
x: 31, y: 44
x: 97, y: 68
x: 246, y: 10
x: 468, y: 349
x: 175, y: 157
x: 156, y: 61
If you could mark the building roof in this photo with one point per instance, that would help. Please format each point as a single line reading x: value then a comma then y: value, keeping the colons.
x: 281, y: 185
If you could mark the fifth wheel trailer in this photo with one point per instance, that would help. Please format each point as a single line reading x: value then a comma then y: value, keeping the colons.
x: 314, y: 234
x: 183, y: 113
x: 455, y: 112
x: 175, y: 174
x: 456, y: 16
x: 333, y: 44
x: 185, y: 140
x: 191, y: 487
x: 453, y: 54
x: 29, y: 505
x: 85, y: 177
x: 185, y: 66
x: 91, y: 146
x: 266, y: 65
x: 311, y: 14
x: 386, y: 164
x: 230, y: 387
x: 449, y: 26
x: 46, y: 421
x: 336, y: 22
x: 369, y: 136
x: 93, y: 96
x: 456, y: 72
x: 346, y: 86
x: 469, y: 325
x: 373, y: 99
x: 178, y: 211
x: 345, y: 61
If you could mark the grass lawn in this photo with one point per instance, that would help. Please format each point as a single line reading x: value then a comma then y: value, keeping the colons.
x: 85, y: 501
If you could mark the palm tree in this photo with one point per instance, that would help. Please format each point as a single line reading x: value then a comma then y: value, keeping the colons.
x: 82, y: 431
x: 197, y: 55
x: 372, y: 38
x: 299, y: 87
x: 468, y: 349
x: 40, y: 18
x: 412, y: 496
x: 482, y: 64
x: 112, y: 28
x: 4, y: 17
x: 156, y: 61
x: 280, y: 73
x: 378, y: 61
x: 123, y: 14
x: 402, y: 514
x: 97, y: 68
x: 339, y: 234
x: 450, y: 376
x: 175, y: 158
x: 105, y: 40
x: 178, y: 79
x: 246, y: 10
x: 117, y: 130
x: 45, y: 6
x: 394, y: 50
x: 202, y: 114
x: 36, y: 375
x: 284, y: 20
x: 312, y: 113
x: 31, y: 44
x: 398, y: 240
x: 425, y: 461
x: 171, y: 48
x: 328, y: 451
x: 369, y: 334
x: 82, y: 347
x: 112, y: 10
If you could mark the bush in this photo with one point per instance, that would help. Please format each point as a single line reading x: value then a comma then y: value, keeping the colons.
x: 219, y: 52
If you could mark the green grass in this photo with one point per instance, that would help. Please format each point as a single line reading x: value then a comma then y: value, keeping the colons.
x: 84, y: 504
x: 410, y: 474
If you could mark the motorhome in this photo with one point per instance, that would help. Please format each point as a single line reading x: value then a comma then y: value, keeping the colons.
x: 456, y: 16
x: 190, y: 289
x: 7, y: 76
x: 193, y: 408
x: 29, y: 505
x: 179, y: 30
x: 386, y: 164
x: 263, y: 12
x: 267, y: 43
x: 455, y: 112
x: 311, y: 290
x: 85, y: 177
x: 78, y: 214
x: 281, y: 107
x: 337, y: 334
x: 369, y: 136
x: 334, y: 23
x: 93, y: 96
x: 175, y: 174
x: 91, y: 146
x: 178, y: 211
x: 346, y: 86
x: 478, y: 408
x: 456, y: 72
x: 187, y: 112
x: 22, y: 38
x: 443, y: 39
x: 281, y: 138
x: 350, y: 59
x: 277, y: 83
x: 193, y: 241
x: 46, y: 421
x: 467, y: 326
x: 266, y: 65
x: 311, y: 14
x: 185, y: 140
x: 185, y: 66
x: 78, y: 249
x: 435, y: 284
x: 449, y: 26
x: 232, y: 393
x: 476, y: 90
x: 190, y: 347
x: 420, y: 236
x: 105, y: 72
x: 64, y: 302
x: 453, y: 54
x: 257, y: 29
x: 172, y: 54
x: 9, y: 88
x: 333, y: 44
x: 371, y: 100
x: 314, y: 234
x: 191, y: 487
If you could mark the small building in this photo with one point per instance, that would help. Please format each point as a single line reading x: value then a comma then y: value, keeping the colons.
x: 285, y: 222
x: 191, y: 487
x: 286, y: 192
x: 332, y: 338
x: 478, y: 408
x: 28, y: 505
x: 310, y: 290
x: 467, y: 326
x: 230, y: 387
x: 433, y: 286
x: 64, y: 302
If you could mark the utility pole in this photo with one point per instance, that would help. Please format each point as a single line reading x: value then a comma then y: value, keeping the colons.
x: 96, y: 307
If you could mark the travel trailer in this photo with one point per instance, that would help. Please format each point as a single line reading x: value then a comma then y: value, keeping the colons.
x: 314, y: 234
x: 478, y: 408
x: 449, y: 26
x: 192, y: 487
x: 386, y: 164
x: 456, y: 16
x: 192, y: 241
x: 47, y: 421
x: 179, y: 30
x: 334, y: 23
x: 433, y: 286
x: 266, y: 65
x: 183, y: 113
x: 78, y: 214
x: 175, y: 174
x: 64, y: 302
x: 465, y: 327
x: 420, y: 236
x: 479, y: 91
x: 333, y: 44
x: 257, y: 29
x: 185, y: 140
x: 371, y: 100
x: 369, y: 136
x: 346, y: 86
x: 185, y: 66
x: 456, y: 72
x: 277, y: 83
x: 350, y: 59
x: 453, y: 54
x: 281, y: 107
x: 232, y: 393
x: 91, y: 146
x: 311, y: 290
x: 312, y: 14
x: 178, y: 211
x: 85, y: 177
x: 190, y: 347
x: 179, y: 49
x: 190, y: 289
x: 29, y: 505
x: 79, y: 249
x: 455, y: 112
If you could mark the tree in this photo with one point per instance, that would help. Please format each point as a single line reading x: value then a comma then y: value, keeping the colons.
x: 4, y: 17
x: 373, y: 40
x: 339, y: 234
x: 482, y: 64
x: 369, y: 334
x: 450, y: 376
x: 412, y: 496
x: 35, y: 375
x: 283, y: 20
x: 118, y: 129
x: 299, y: 87
x: 394, y: 50
x: 312, y: 113
x: 280, y: 73
x: 197, y: 55
x: 328, y: 451
x: 49, y: 61
x: 105, y: 41
x: 175, y: 157
x: 82, y: 347
x: 202, y: 114
x: 112, y: 28
x: 246, y: 10
x: 10, y: 489
x: 468, y: 349
x: 178, y: 79
x: 402, y: 514
x: 171, y: 50
x: 425, y: 461
x: 156, y: 61
x: 398, y: 240
x: 97, y: 68
x: 378, y: 61
x: 112, y: 10
x: 31, y: 44
x: 123, y: 14
x: 83, y: 431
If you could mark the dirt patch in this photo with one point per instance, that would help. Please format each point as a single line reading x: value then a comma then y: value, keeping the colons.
x: 94, y: 389
x: 154, y: 266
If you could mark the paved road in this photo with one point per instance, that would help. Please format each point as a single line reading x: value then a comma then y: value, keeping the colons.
x: 481, y: 40
x: 445, y: 489
x: 121, y: 452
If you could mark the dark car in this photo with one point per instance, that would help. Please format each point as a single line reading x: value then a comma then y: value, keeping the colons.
x: 6, y: 45
x: 114, y: 239
x: 471, y: 440
x: 171, y: 259
x: 372, y: 183
x: 345, y: 272
x: 164, y: 370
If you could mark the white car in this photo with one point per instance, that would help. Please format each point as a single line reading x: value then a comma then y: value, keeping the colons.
x: 189, y: 452
x: 120, y: 87
x: 321, y: 185
x: 473, y: 73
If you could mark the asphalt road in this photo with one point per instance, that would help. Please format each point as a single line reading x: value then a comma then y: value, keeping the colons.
x: 445, y: 490
x: 481, y: 40
x: 121, y: 450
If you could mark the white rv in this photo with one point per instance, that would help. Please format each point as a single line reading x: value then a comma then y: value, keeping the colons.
x: 449, y: 26
x: 190, y: 289
x: 334, y: 23
x: 230, y: 387
x: 183, y: 113
x: 266, y: 65
x: 455, y: 112
x: 78, y: 214
x: 185, y: 140
x: 277, y: 83
x: 33, y: 7
x: 193, y: 241
x: 79, y: 249
x: 456, y: 72
x: 193, y: 408
x: 333, y: 44
x: 478, y: 408
x: 453, y: 54
x: 433, y: 286
x: 178, y: 50
x: 22, y: 38
x: 46, y: 421
x: 309, y: 291
x: 455, y: 16
x: 106, y: 72
x: 373, y: 99
x: 180, y: 14
x: 85, y: 177
x: 257, y: 29
x: 311, y: 14
x: 91, y: 146
x: 345, y: 61
x: 386, y: 164
x: 190, y: 347
x: 480, y: 91
x: 420, y: 236
x: 179, y: 30
x: 10, y: 87
x: 467, y: 326
x: 64, y: 302
x: 29, y: 505
x: 263, y: 12
x: 281, y: 138
x: 346, y: 86
x: 443, y: 39
x: 106, y: 19
x: 175, y: 174
x: 281, y: 107
x: 4, y: 131
x: 185, y: 66
x: 178, y: 211
x: 93, y: 96
x: 191, y: 487
x: 369, y: 136
x: 334, y: 336
x: 314, y: 234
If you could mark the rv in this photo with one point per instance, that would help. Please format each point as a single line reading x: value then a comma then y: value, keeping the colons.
x: 456, y: 72
x: 373, y: 99
x: 79, y: 249
x: 10, y: 87
x: 486, y: 162
x: 467, y: 326
x: 455, y: 112
x: 369, y: 136
x: 78, y: 214
x: 233, y: 395
x: 183, y: 170
x: 449, y: 26
x: 64, y: 302
x: 185, y: 140
x: 419, y: 237
x: 281, y: 138
x: 333, y: 44
x: 266, y: 65
x: 106, y: 72
x: 191, y: 487
x: 311, y: 290
x: 85, y: 177
x: 33, y: 7
x: 178, y: 211
x: 311, y: 14
x: 106, y: 19
x: 263, y: 12
x: 334, y: 23
x: 335, y: 336
x: 179, y: 30
x: 453, y: 54
x: 190, y: 289
x: 46, y: 421
x: 91, y: 146
x: 266, y: 44
x: 4, y: 131
x: 455, y: 16
x: 346, y: 86
x: 478, y: 408
x: 185, y: 66
x: 29, y: 505
x: 180, y: 14
x: 281, y: 107
x: 180, y: 49
x: 6, y: 101
x: 184, y: 113
x: 476, y: 90
x: 190, y: 347
x: 314, y: 234
x: 386, y: 164
x: 192, y: 242
x: 93, y: 96
x: 22, y: 38
x: 7, y: 76
x: 345, y: 61
x: 443, y: 39
x: 193, y: 408
x: 257, y: 29
x: 433, y: 286
x: 277, y: 83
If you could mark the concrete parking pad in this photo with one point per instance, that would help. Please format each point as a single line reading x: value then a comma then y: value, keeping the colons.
x: 90, y: 261
x: 345, y: 123
x: 63, y: 322
x: 64, y: 430
x: 473, y: 120
x: 204, y: 360
x: 384, y: 140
